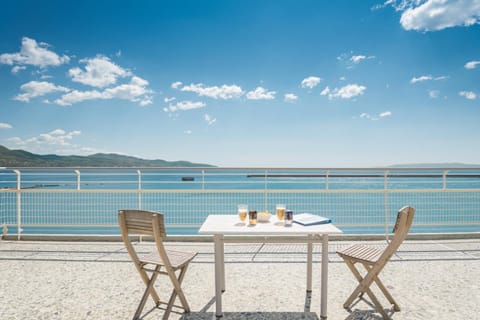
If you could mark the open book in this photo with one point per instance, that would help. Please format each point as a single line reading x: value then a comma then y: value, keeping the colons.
x: 308, y: 219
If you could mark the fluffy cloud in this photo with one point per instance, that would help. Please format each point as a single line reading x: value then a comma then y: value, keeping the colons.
x: 261, y: 93
x: 290, y: 97
x: 17, y: 69
x: 32, y: 53
x: 224, y: 92
x: 185, y: 105
x: 167, y: 99
x: 58, y: 137
x: 347, y: 92
x: 310, y: 82
x: 176, y: 85
x: 433, y: 94
x: 99, y: 72
x: 4, y: 125
x: 470, y: 95
x: 209, y: 119
x: 325, y: 91
x: 135, y: 91
x: 434, y: 15
x: 427, y: 78
x: 377, y: 117
x: 76, y: 96
x: 38, y: 88
x: 471, y: 64
x: 356, y: 59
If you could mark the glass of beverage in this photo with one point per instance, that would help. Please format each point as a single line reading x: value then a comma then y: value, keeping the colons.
x: 288, y: 217
x: 252, y: 217
x: 280, y: 209
x: 242, y: 212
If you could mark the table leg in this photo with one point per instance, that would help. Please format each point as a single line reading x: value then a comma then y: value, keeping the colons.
x: 218, y: 239
x: 309, y: 263
x: 323, y: 305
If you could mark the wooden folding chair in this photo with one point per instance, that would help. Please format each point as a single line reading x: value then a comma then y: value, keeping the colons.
x: 374, y: 260
x: 160, y: 261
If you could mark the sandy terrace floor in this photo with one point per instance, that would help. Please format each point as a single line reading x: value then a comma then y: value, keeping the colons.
x: 92, y: 280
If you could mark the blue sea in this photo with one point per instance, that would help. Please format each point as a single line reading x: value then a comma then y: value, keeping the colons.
x: 65, y: 201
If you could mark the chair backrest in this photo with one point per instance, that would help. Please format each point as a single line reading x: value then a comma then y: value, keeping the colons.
x: 400, y: 232
x: 142, y: 222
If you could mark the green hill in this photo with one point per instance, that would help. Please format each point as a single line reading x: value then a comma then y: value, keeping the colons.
x: 21, y: 158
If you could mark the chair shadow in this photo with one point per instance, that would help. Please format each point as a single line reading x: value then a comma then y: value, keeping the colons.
x: 252, y: 316
x: 363, y: 315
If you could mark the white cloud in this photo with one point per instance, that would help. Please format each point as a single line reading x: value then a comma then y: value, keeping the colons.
x: 187, y: 131
x: 290, y: 97
x: 58, y: 137
x: 167, y: 100
x: 433, y: 94
x: 427, y: 78
x: 38, y: 88
x: 4, y: 125
x: 224, y: 92
x: 135, y: 91
x: 470, y: 95
x: 76, y: 96
x: 185, y: 105
x: 325, y: 91
x: 17, y: 69
x: 208, y: 118
x: 99, y: 72
x: 434, y: 15
x: 472, y: 64
x: 32, y: 53
x: 176, y: 85
x: 261, y: 93
x: 377, y: 117
x: 347, y: 92
x: 356, y: 59
x: 310, y: 82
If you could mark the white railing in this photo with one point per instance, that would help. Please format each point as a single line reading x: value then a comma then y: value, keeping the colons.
x: 359, y: 200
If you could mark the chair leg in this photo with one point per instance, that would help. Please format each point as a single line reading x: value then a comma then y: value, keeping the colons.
x: 387, y: 294
x: 173, y: 296
x: 146, y: 280
x: 147, y: 292
x: 363, y: 287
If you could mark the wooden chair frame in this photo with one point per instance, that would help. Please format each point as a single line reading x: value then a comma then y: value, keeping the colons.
x: 161, y: 261
x: 374, y: 260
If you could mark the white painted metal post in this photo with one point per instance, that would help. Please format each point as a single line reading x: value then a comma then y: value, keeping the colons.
x: 324, y: 285
x: 139, y: 173
x: 326, y: 179
x: 219, y: 272
x: 309, y: 262
x: 77, y: 172
x: 444, y: 178
x: 203, y: 179
x: 385, y: 203
x: 19, y: 204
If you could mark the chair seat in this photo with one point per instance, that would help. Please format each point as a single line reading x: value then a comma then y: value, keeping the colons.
x: 361, y: 253
x: 177, y: 258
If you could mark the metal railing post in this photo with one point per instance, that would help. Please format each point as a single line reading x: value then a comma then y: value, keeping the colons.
x: 385, y: 203
x: 139, y: 173
x: 326, y: 179
x: 77, y: 172
x: 444, y: 179
x: 203, y: 179
x: 19, y: 204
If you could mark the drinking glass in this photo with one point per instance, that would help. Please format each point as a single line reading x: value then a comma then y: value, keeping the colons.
x: 280, y: 209
x: 288, y: 217
x: 242, y: 211
x: 252, y: 217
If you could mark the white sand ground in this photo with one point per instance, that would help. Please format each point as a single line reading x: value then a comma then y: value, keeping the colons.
x: 91, y: 280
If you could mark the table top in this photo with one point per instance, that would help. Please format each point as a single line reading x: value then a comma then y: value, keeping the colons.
x: 231, y: 225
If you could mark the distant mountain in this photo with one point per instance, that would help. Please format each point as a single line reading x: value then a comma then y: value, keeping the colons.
x: 436, y: 165
x: 21, y: 158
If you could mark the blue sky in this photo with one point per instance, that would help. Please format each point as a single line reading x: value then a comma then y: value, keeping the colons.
x: 244, y: 83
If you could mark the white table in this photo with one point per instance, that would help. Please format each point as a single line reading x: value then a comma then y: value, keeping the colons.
x: 221, y: 225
